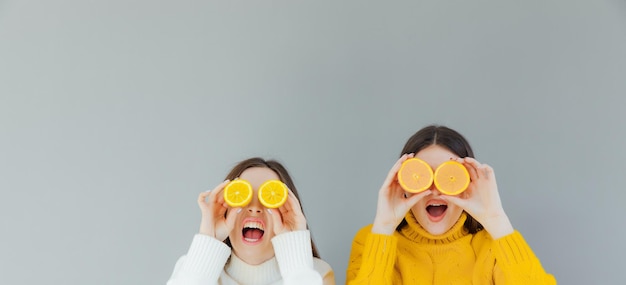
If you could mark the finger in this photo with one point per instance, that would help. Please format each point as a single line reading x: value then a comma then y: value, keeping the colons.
x: 473, y: 162
x: 231, y: 217
x: 217, y: 191
x: 276, y: 219
x: 487, y: 171
x: 293, y: 204
x: 413, y: 199
x: 202, y: 197
x: 221, y: 210
x: 471, y: 169
x: 393, y: 172
x: 220, y: 200
x: 396, y: 190
x: 456, y: 200
x: 285, y: 209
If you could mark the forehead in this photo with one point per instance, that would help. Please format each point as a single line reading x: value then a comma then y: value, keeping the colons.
x: 435, y: 155
x: 257, y: 175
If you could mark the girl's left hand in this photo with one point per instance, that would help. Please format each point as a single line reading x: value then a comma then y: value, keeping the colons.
x: 289, y: 216
x: 481, y: 199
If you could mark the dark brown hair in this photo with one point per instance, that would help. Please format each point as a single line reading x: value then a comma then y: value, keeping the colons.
x: 450, y: 139
x: 283, y: 175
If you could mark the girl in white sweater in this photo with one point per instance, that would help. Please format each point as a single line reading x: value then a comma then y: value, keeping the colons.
x: 252, y: 244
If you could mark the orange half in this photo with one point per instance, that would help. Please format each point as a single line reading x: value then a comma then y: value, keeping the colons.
x: 415, y: 175
x: 238, y: 193
x: 451, y: 178
x: 273, y: 193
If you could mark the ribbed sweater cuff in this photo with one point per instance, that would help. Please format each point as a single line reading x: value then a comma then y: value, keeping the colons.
x: 206, y: 257
x: 379, y: 254
x: 293, y: 251
x: 512, y: 250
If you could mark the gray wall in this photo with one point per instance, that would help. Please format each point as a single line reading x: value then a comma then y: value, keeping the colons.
x: 114, y: 115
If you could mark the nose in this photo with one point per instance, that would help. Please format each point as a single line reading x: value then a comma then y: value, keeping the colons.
x: 255, y: 206
x: 254, y: 209
x: 434, y: 189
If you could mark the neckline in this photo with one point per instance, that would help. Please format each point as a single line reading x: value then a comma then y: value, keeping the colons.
x: 264, y: 273
x: 415, y: 232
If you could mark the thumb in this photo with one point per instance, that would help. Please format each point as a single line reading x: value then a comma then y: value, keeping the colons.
x: 456, y: 200
x: 231, y: 217
x: 412, y: 200
x: 277, y: 220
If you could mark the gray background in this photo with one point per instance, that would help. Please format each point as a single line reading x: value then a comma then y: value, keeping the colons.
x: 114, y: 115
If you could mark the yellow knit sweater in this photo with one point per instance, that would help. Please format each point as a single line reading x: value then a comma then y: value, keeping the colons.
x: 414, y: 256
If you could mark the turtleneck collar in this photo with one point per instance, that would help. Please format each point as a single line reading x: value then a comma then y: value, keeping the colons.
x: 264, y: 273
x: 415, y: 232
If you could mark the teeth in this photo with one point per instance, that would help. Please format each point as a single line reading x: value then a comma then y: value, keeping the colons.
x: 254, y: 225
x: 436, y: 205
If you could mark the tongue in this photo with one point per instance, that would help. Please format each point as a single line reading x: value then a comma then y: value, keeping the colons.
x: 252, y: 233
x: 436, y: 211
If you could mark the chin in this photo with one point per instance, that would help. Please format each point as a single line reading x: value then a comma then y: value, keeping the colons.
x: 439, y: 226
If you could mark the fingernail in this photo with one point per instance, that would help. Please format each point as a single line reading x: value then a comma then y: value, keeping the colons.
x: 208, y: 190
x: 269, y: 211
x: 239, y: 210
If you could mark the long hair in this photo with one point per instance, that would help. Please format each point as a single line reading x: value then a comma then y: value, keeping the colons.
x: 450, y: 139
x: 283, y: 175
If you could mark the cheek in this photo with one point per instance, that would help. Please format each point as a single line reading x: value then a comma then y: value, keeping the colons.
x: 419, y: 215
x: 455, y: 212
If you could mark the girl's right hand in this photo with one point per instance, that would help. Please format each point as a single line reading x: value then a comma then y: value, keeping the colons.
x: 216, y: 222
x: 392, y: 202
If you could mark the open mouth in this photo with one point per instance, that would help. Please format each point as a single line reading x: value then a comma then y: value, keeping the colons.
x: 252, y: 231
x: 436, y: 211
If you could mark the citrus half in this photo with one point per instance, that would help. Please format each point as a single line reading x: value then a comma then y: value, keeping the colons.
x: 273, y: 193
x: 238, y: 193
x: 451, y: 178
x: 415, y: 175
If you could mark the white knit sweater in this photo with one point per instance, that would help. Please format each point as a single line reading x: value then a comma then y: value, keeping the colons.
x: 207, y: 263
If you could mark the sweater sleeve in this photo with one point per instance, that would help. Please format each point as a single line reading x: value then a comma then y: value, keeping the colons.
x: 372, y: 258
x: 203, y: 263
x: 295, y: 258
x: 517, y: 264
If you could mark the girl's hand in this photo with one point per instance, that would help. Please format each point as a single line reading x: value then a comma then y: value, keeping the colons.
x: 481, y: 199
x: 216, y: 222
x: 393, y: 204
x: 288, y: 217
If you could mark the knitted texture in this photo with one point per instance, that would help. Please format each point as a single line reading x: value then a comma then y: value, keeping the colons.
x: 414, y: 256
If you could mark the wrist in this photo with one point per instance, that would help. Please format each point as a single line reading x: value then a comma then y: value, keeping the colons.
x: 498, y: 226
x: 383, y: 228
x: 207, y: 231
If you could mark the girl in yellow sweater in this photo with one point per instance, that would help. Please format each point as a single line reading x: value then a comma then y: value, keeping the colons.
x: 432, y: 238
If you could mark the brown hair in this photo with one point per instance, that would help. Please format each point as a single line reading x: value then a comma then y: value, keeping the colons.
x: 450, y: 139
x: 283, y: 175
